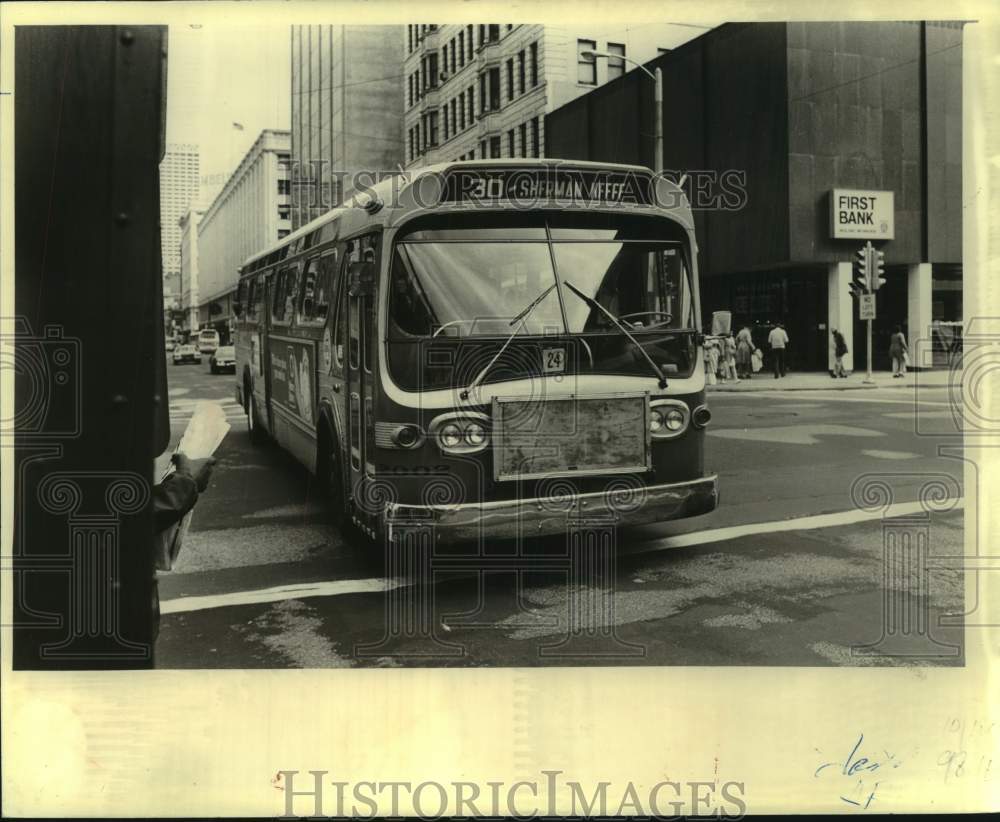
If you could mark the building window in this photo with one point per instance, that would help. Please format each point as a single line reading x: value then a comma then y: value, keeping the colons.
x: 432, y: 129
x: 416, y: 139
x: 494, y: 80
x: 616, y: 65
x: 494, y: 33
x: 416, y: 83
x: 472, y: 154
x: 468, y: 37
x: 510, y: 79
x: 482, y: 149
x: 524, y: 139
x: 444, y: 59
x: 482, y: 92
x: 454, y: 119
x: 453, y: 69
x: 461, y: 48
x: 284, y: 187
x: 409, y: 39
x: 536, y: 142
x: 282, y: 233
x: 472, y: 105
x: 482, y: 36
x: 494, y: 148
x: 461, y: 111
x: 511, y: 152
x: 284, y: 212
x: 444, y: 120
x: 586, y: 65
x: 534, y: 64
x: 432, y: 71
x: 520, y: 72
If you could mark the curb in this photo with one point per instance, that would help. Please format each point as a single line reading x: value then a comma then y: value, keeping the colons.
x: 768, y: 386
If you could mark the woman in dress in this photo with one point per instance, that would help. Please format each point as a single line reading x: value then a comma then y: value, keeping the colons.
x: 897, y: 352
x: 744, y: 353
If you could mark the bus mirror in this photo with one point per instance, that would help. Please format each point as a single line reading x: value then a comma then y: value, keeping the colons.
x: 361, y: 279
x: 237, y: 309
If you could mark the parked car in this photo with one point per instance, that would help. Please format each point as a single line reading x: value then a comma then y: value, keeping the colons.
x: 224, y: 359
x: 208, y: 340
x: 187, y: 352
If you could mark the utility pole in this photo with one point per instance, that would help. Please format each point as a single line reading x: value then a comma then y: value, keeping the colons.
x: 657, y: 79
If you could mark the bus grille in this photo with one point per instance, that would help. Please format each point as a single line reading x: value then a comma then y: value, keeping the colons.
x: 570, y: 436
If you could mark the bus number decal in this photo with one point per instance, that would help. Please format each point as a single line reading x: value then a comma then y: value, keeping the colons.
x: 553, y: 360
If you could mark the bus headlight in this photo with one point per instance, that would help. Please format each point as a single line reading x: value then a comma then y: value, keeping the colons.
x: 668, y: 418
x: 450, y: 435
x: 475, y: 434
x: 461, y: 432
x: 655, y: 421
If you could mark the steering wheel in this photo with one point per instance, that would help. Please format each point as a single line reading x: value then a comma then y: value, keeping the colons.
x: 450, y: 323
x: 667, y: 321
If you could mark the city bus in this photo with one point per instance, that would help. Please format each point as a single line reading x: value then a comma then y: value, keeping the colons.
x: 490, y: 348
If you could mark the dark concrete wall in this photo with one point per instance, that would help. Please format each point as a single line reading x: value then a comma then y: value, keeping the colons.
x: 854, y: 107
x: 943, y: 43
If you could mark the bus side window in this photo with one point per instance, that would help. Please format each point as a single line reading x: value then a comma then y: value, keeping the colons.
x: 325, y: 286
x: 307, y: 297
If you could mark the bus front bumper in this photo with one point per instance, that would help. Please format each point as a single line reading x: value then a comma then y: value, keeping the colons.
x: 535, y: 517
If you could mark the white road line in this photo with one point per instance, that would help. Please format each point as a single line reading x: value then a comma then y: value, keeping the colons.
x: 808, y: 523
x: 330, y: 588
x: 827, y: 398
x: 327, y: 588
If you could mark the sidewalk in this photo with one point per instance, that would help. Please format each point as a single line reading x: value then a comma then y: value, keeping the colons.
x: 821, y: 381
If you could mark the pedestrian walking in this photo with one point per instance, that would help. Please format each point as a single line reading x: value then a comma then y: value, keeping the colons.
x: 744, y: 353
x: 712, y: 360
x: 778, y: 340
x: 729, y: 350
x: 839, y: 350
x: 898, y: 352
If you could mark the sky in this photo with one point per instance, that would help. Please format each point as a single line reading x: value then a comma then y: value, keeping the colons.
x: 218, y: 75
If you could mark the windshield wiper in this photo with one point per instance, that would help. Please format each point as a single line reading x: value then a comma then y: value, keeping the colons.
x: 519, y: 317
x: 594, y: 304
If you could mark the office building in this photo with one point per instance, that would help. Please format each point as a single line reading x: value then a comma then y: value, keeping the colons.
x: 179, y: 188
x: 252, y: 211
x: 346, y: 111
x: 802, y: 142
x: 482, y: 91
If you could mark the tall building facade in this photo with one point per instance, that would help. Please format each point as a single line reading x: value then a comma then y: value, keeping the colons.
x: 252, y: 211
x: 180, y: 180
x: 482, y: 91
x: 801, y: 142
x: 187, y: 299
x: 346, y: 110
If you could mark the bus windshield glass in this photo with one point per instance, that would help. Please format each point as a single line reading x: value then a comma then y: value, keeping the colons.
x: 475, y: 282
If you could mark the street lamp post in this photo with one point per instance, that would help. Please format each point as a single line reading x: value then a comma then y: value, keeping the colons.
x: 657, y: 78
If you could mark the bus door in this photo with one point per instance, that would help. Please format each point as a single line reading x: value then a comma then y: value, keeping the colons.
x: 360, y: 262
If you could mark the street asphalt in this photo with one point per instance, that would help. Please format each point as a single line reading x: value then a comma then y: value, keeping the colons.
x: 789, y: 571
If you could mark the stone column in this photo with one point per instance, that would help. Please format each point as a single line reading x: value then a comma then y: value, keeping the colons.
x: 840, y: 310
x: 918, y: 316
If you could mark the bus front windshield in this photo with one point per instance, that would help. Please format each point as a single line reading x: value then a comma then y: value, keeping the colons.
x: 568, y: 275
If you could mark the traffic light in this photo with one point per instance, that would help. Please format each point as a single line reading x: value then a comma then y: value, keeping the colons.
x: 859, y: 284
x: 878, y: 269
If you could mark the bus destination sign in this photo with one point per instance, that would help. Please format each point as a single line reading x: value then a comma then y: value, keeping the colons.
x: 529, y: 186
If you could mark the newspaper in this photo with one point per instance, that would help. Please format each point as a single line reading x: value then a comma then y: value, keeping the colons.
x: 205, y: 431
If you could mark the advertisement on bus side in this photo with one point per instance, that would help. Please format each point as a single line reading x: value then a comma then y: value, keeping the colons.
x: 293, y: 374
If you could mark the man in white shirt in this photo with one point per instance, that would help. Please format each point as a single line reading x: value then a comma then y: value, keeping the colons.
x: 778, y: 339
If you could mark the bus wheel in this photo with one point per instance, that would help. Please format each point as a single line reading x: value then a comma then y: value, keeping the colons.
x: 253, y: 426
x: 333, y: 479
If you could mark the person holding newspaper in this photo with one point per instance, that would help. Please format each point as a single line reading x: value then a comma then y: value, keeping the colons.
x: 178, y: 492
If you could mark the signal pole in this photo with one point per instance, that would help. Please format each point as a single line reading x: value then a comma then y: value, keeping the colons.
x: 868, y: 278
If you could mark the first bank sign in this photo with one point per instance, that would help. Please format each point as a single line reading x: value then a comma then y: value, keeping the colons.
x: 866, y: 214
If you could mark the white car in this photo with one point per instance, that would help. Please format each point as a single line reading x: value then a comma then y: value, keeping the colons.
x: 224, y: 359
x: 186, y: 353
